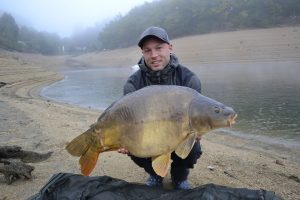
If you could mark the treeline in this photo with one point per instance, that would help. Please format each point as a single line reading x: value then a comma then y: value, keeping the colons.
x: 25, y: 39
x: 178, y: 17
x: 189, y: 17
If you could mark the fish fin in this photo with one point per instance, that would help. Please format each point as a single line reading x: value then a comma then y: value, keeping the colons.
x: 88, y: 161
x: 79, y: 145
x: 185, y: 147
x: 83, y: 146
x: 161, y: 164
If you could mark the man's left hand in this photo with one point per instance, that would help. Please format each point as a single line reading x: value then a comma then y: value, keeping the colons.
x: 198, y: 137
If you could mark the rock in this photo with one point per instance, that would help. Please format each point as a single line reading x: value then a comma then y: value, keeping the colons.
x: 2, y: 84
x: 13, y: 159
x: 279, y: 162
x: 14, y: 169
x: 25, y: 156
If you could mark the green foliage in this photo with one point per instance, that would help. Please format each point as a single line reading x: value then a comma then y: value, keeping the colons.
x: 27, y: 39
x: 179, y: 17
x: 9, y: 31
x: 39, y: 42
x: 189, y: 17
x: 84, y: 41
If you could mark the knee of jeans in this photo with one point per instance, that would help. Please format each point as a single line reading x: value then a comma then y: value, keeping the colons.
x: 191, y: 162
x: 194, y: 155
x: 141, y: 162
x: 198, y: 150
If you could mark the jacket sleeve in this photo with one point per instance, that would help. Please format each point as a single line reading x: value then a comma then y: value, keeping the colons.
x: 129, y: 87
x: 132, y: 83
x: 190, y: 79
x: 194, y: 83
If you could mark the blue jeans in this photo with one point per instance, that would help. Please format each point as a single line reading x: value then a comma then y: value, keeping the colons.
x: 179, y: 167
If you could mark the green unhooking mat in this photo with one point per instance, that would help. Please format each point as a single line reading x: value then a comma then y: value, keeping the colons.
x: 73, y: 186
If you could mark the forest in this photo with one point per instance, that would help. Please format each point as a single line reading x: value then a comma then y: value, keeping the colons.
x: 179, y: 17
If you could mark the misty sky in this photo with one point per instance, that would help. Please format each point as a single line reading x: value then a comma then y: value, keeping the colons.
x: 65, y: 16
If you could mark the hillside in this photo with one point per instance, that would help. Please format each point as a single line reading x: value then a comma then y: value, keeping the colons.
x: 258, y: 45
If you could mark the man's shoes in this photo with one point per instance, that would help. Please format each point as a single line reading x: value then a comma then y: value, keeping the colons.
x: 154, y: 181
x: 182, y: 185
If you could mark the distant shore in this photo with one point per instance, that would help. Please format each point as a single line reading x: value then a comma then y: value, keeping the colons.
x: 41, y: 125
x: 257, y: 45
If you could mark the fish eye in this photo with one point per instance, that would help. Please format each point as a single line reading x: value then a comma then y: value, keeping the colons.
x: 217, y: 109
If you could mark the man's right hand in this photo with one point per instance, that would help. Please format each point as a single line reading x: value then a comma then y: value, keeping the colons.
x: 123, y: 151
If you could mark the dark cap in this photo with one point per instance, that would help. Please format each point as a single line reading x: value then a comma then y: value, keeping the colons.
x: 153, y: 31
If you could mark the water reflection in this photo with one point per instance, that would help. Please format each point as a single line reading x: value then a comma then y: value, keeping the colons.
x: 265, y: 95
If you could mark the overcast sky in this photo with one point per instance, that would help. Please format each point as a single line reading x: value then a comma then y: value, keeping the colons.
x: 65, y: 16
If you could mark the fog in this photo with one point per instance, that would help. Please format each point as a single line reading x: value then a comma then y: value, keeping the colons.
x: 66, y: 16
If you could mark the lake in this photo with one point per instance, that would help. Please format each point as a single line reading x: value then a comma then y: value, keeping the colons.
x: 266, y: 96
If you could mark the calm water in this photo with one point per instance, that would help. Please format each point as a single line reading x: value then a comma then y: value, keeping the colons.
x: 266, y: 96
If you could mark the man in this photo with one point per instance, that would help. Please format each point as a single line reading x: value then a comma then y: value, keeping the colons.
x: 159, y: 66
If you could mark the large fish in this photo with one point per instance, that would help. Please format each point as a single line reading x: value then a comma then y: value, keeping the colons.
x: 151, y: 122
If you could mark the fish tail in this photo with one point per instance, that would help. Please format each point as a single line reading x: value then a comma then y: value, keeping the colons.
x: 82, y: 147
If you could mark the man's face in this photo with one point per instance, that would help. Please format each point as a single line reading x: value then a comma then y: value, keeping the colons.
x: 156, y: 53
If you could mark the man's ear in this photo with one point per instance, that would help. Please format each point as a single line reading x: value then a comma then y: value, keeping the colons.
x: 171, y: 47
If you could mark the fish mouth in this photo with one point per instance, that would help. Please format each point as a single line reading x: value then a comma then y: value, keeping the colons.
x: 231, y: 120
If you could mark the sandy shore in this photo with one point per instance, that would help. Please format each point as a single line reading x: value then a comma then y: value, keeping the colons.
x: 37, y: 124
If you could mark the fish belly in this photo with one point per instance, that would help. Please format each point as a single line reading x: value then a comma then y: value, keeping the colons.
x: 153, y: 138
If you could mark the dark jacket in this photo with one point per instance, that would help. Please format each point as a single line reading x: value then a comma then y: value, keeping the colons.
x: 173, y: 74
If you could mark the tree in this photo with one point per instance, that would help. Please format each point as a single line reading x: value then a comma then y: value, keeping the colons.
x: 189, y: 17
x: 9, y: 31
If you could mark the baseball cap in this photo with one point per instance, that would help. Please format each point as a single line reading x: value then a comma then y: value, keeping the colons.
x: 153, y: 31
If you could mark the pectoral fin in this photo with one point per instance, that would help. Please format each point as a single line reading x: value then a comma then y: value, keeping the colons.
x: 161, y: 164
x: 185, y: 147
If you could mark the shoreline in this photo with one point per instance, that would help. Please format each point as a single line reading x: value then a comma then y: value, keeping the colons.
x: 42, y: 125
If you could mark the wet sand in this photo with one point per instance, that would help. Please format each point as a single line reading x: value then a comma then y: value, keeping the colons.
x: 41, y: 125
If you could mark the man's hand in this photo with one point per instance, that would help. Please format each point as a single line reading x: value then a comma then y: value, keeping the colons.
x: 198, y: 137
x: 123, y: 151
